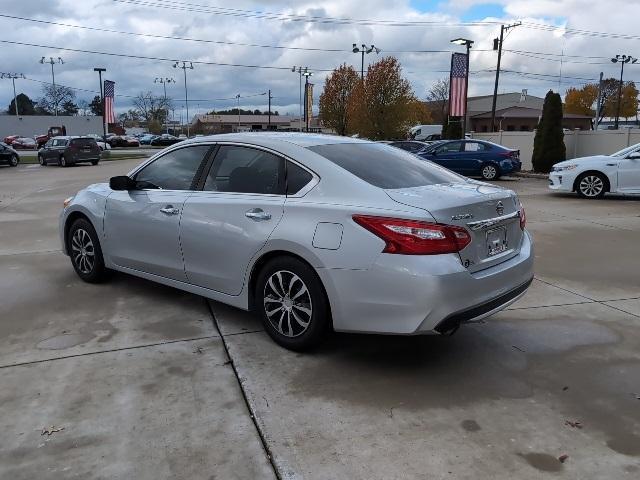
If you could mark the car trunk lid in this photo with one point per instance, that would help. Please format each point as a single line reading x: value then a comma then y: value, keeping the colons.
x: 490, y: 214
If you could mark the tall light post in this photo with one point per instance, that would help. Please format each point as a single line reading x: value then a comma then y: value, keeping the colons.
x: 184, y: 68
x: 301, y: 71
x: 238, y: 102
x: 164, y: 82
x: 52, y: 61
x: 104, y: 124
x: 467, y: 43
x: 364, y: 49
x: 13, y: 77
x: 622, y: 59
x: 306, y: 100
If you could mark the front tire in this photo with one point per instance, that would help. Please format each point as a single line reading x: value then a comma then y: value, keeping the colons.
x: 84, y: 250
x: 63, y: 161
x: 41, y: 161
x: 591, y: 185
x: 489, y: 171
x: 292, y: 304
x: 14, y: 161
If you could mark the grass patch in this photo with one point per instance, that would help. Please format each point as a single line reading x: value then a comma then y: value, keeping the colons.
x: 33, y: 160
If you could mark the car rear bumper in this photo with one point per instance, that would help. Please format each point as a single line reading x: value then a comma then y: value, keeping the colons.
x: 410, y: 295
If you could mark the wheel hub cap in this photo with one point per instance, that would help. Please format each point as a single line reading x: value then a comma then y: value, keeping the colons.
x: 287, y: 303
x: 82, y: 251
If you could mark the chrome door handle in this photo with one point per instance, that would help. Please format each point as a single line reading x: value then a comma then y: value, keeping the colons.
x: 170, y: 210
x: 257, y: 214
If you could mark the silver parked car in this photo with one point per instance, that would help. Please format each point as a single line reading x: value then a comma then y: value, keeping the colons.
x: 312, y: 232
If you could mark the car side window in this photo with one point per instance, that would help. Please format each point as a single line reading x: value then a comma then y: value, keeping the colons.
x: 450, y: 147
x: 246, y: 170
x: 175, y: 170
x: 473, y: 147
x: 297, y: 178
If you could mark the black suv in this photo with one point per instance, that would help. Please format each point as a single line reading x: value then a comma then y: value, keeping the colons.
x: 8, y: 155
x: 65, y: 151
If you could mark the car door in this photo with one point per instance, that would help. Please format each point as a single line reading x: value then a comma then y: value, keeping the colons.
x: 629, y: 173
x: 228, y: 222
x: 472, y: 156
x: 5, y: 153
x: 448, y: 155
x: 48, y: 150
x: 142, y: 226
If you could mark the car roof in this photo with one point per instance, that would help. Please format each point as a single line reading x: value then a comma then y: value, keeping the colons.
x: 270, y: 138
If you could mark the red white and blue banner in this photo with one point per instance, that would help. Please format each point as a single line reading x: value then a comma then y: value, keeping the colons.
x: 458, y: 85
x: 109, y: 93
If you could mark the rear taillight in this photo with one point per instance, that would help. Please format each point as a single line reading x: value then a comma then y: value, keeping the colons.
x: 523, y: 218
x: 415, y: 237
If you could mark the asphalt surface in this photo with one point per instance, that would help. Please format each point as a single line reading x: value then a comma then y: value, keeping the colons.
x: 137, y: 380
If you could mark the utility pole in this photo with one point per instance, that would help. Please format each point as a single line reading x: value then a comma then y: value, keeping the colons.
x: 599, y: 102
x: 184, y: 68
x: 13, y: 77
x: 497, y: 45
x: 104, y: 123
x: 306, y: 100
x: 300, y: 71
x: 164, y: 82
x: 270, y: 97
x: 52, y: 62
x: 622, y: 59
x: 238, y: 100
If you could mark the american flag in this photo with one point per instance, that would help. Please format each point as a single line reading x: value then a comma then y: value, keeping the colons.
x: 109, y: 91
x: 458, y: 85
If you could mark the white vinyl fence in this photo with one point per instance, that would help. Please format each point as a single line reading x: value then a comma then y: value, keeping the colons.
x: 579, y: 143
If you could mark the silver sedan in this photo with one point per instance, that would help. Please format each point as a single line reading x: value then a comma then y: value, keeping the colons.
x: 312, y: 232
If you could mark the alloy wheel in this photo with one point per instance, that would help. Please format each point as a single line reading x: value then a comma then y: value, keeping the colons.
x: 83, y: 251
x: 287, y: 303
x: 489, y: 172
x: 591, y: 186
x: 14, y: 161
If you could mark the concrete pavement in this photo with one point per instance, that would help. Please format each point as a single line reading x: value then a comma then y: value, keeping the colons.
x: 137, y: 373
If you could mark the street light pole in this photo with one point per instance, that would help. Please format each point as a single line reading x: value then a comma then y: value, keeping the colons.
x: 164, y: 82
x: 622, y: 59
x: 364, y: 49
x: 13, y: 77
x: 53, y: 61
x: 104, y: 124
x: 184, y: 68
x: 467, y: 43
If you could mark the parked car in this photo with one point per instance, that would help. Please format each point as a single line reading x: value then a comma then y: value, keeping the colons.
x: 426, y: 132
x: 164, y: 140
x: 10, y: 138
x: 311, y: 232
x: 24, y: 143
x: 411, y: 146
x: 100, y: 141
x: 592, y: 177
x: 474, y: 158
x: 51, y: 132
x: 146, y: 139
x: 8, y: 155
x: 65, y: 151
x: 123, y: 141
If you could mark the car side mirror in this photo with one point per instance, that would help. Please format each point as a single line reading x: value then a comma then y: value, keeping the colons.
x: 634, y: 156
x: 122, y: 182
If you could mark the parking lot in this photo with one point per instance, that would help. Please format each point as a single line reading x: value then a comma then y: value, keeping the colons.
x: 131, y: 379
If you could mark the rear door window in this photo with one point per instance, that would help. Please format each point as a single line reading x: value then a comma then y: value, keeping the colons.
x: 385, y: 166
x: 474, y: 147
x: 297, y: 178
x: 449, y: 147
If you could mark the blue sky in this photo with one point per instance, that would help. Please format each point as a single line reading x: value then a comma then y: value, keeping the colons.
x: 476, y: 12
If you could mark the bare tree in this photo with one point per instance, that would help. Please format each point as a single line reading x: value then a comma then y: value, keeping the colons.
x: 60, y: 99
x: 438, y: 96
x: 152, y: 107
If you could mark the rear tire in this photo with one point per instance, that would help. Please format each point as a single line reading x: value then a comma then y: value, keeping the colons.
x: 591, y: 185
x: 14, y: 161
x: 292, y: 304
x: 489, y: 171
x: 95, y: 162
x: 85, y: 253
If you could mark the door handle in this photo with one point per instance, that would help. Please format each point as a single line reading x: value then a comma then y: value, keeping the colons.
x: 257, y: 214
x: 170, y: 210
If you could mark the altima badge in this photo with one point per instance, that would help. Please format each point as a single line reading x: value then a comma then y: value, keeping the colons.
x: 462, y: 216
x: 500, y: 208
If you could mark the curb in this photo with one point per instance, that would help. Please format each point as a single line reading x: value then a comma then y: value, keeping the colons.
x: 542, y: 176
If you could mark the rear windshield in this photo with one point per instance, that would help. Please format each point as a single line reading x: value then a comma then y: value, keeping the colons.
x: 83, y: 142
x: 385, y: 166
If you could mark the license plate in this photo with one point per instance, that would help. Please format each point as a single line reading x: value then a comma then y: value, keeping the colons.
x: 496, y: 241
x: 87, y: 149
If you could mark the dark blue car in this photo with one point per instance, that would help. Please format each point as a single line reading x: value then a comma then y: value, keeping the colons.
x: 474, y: 158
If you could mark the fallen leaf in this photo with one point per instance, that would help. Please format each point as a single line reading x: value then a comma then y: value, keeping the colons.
x: 573, y: 424
x: 562, y: 458
x: 51, y: 429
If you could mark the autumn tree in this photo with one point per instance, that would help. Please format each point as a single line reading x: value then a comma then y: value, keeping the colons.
x: 628, y: 101
x: 580, y: 100
x: 384, y: 106
x: 438, y: 96
x: 548, y: 143
x: 334, y: 101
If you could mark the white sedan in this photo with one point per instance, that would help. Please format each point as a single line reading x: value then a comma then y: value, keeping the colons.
x: 592, y: 177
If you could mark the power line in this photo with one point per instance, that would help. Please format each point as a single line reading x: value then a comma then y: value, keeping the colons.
x: 234, y: 12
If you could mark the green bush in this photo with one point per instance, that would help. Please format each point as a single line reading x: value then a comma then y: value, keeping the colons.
x: 548, y: 143
x: 453, y: 129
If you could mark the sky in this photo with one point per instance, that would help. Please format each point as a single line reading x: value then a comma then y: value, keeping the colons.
x: 554, y: 47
